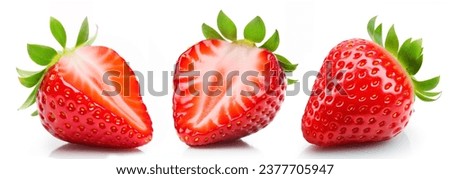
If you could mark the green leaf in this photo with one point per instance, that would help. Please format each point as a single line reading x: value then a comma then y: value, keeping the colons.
x: 416, y: 48
x: 378, y: 35
x: 226, y: 26
x: 431, y: 94
x: 92, y: 39
x: 58, y: 31
x: 426, y: 85
x: 418, y: 63
x: 210, y: 33
x: 40, y: 54
x: 30, y: 100
x: 25, y: 73
x: 426, y: 98
x: 282, y: 59
x: 83, y: 35
x: 272, y: 43
x: 32, y: 79
x: 255, y: 30
x: 289, y: 68
x: 410, y: 55
x: 371, y: 27
x: 291, y: 81
x: 286, y: 64
x: 392, y: 41
x: 35, y: 113
x: 403, y: 52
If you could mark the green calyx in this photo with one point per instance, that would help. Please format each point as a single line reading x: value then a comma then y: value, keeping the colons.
x: 410, y: 56
x: 47, y: 57
x: 254, y: 32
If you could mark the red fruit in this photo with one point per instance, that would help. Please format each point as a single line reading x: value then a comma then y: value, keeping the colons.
x: 89, y: 95
x: 365, y: 92
x: 210, y: 103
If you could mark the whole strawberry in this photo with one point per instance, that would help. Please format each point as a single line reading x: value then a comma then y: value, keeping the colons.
x: 365, y: 90
x: 86, y: 94
x: 228, y: 90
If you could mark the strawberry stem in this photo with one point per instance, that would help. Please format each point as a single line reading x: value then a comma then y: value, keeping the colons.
x: 55, y: 59
x: 245, y: 42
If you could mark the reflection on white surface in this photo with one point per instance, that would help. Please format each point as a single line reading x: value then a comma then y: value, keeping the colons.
x: 237, y: 148
x: 75, y: 151
x: 398, y: 147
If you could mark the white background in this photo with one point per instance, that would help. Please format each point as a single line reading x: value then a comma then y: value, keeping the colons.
x: 152, y: 34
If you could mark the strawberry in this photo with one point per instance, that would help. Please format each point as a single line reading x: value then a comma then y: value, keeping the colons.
x: 86, y: 94
x: 365, y: 90
x: 227, y: 90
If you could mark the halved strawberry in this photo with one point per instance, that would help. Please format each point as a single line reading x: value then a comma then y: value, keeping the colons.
x: 365, y: 90
x: 87, y: 94
x: 225, y: 91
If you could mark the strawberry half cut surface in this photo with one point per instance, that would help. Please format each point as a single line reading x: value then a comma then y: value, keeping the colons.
x: 365, y: 90
x: 87, y: 94
x: 227, y: 90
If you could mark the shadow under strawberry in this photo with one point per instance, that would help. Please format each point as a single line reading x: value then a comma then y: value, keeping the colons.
x: 398, y: 147
x: 77, y: 151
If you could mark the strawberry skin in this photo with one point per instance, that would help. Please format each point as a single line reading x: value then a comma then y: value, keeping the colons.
x: 371, y: 100
x: 365, y: 90
x: 206, y: 118
x: 87, y: 94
